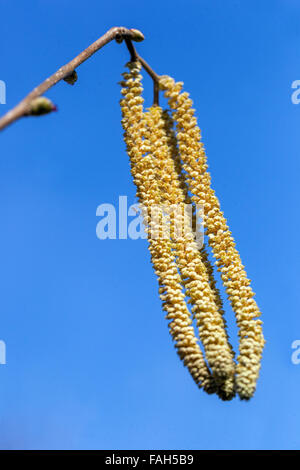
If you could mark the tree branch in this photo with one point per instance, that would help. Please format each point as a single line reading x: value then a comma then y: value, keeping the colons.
x: 118, y: 33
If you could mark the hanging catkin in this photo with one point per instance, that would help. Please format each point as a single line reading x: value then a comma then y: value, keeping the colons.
x: 194, y: 274
x: 173, y: 145
x: 220, y: 239
x: 163, y: 259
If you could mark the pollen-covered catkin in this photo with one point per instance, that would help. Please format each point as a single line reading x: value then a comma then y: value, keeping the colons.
x: 226, y: 389
x: 174, y: 151
x: 163, y: 259
x: 193, y: 271
x: 220, y: 239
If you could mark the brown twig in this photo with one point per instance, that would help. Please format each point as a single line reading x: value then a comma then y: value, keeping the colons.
x: 155, y: 93
x: 135, y: 56
x: 148, y: 69
x: 154, y: 77
x: 131, y: 49
x: 118, y: 33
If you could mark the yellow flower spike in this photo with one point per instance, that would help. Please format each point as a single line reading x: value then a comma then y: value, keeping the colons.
x: 226, y: 389
x: 220, y: 239
x: 193, y: 271
x: 136, y: 136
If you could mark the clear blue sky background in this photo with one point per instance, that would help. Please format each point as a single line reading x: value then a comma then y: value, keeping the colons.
x: 90, y: 363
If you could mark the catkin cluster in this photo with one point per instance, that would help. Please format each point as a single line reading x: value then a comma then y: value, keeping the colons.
x: 169, y: 169
x: 137, y: 137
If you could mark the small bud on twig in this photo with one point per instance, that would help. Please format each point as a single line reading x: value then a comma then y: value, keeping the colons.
x: 119, y: 38
x: 71, y: 78
x: 137, y: 35
x: 40, y: 106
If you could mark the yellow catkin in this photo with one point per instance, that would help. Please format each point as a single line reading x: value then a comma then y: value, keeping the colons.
x: 193, y: 270
x: 225, y: 390
x: 172, y: 142
x: 162, y: 257
x: 221, y: 241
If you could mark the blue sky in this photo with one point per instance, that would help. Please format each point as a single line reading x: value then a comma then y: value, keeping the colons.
x: 90, y: 363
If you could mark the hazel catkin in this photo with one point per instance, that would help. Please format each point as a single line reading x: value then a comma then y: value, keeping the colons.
x: 169, y: 169
x: 228, y: 260
x: 195, y: 276
x: 134, y: 122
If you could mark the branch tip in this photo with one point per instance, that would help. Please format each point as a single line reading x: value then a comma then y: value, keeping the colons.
x: 34, y: 103
x: 137, y: 35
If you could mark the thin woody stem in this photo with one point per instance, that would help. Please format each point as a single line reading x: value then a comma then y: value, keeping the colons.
x: 22, y: 109
x: 131, y: 49
x: 155, y: 93
x: 148, y: 69
x: 154, y: 77
x: 135, y: 56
